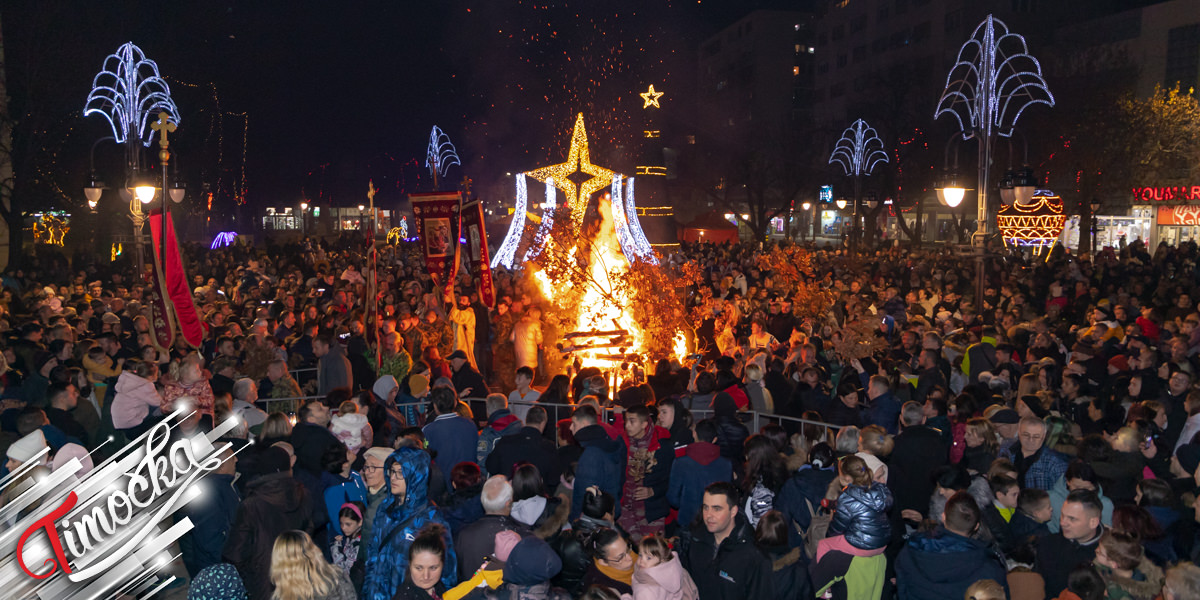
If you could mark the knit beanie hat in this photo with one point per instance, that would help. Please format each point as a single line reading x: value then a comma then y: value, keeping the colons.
x: 1189, y: 457
x: 24, y: 449
x: 69, y: 451
x: 531, y: 562
x: 505, y: 541
x: 418, y: 384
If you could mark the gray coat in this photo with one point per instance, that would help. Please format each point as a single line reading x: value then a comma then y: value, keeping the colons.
x: 333, y: 371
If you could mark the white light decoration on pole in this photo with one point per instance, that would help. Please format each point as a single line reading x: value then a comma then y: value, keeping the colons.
x: 858, y: 152
x: 993, y: 81
x: 440, y: 154
x: 127, y: 91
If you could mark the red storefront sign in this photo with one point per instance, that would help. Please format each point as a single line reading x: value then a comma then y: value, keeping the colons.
x: 1178, y: 215
x: 1179, y: 193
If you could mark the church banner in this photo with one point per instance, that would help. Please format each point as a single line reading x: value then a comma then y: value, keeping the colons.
x: 477, y: 250
x: 175, y: 281
x: 438, y: 226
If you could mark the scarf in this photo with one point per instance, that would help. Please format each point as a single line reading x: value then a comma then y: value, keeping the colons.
x: 623, y: 575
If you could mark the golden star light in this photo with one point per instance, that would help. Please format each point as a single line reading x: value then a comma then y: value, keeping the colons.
x: 578, y: 161
x: 651, y: 97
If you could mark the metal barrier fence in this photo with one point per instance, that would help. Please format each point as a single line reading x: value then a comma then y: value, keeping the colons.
x: 756, y: 419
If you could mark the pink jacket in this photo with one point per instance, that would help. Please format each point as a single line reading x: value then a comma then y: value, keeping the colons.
x: 135, y: 397
x: 664, y: 581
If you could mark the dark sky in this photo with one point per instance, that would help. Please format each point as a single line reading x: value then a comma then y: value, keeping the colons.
x: 338, y: 92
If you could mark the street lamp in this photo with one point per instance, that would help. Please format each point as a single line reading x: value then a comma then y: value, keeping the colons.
x: 841, y: 203
x: 1095, y: 206
x: 992, y: 82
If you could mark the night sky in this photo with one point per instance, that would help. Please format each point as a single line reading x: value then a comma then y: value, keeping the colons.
x: 335, y: 93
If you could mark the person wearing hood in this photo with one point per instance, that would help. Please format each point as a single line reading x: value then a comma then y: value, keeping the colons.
x: 1079, y: 476
x: 528, y: 570
x: 800, y: 497
x: 1128, y: 574
x: 528, y: 445
x: 501, y: 423
x: 672, y: 416
x: 352, y: 428
x: 659, y: 574
x: 700, y: 466
x: 644, y: 506
x: 276, y: 503
x: 384, y: 416
x: 333, y: 368
x: 719, y: 551
x: 602, y: 463
x: 405, y: 511
x: 542, y: 514
x: 136, y: 400
x: 731, y: 432
x: 945, y: 562
x: 475, y: 542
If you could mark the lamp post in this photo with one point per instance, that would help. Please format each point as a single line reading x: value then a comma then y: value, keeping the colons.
x: 806, y: 206
x: 1095, y: 208
x: 303, y: 217
x: 858, y: 151
x: 993, y: 81
x: 127, y: 91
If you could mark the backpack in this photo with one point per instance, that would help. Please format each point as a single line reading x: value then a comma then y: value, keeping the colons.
x: 818, y: 529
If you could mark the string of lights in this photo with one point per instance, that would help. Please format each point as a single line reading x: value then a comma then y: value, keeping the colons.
x: 508, y: 248
x: 545, y: 225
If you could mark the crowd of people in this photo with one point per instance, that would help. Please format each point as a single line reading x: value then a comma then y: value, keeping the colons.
x: 1039, y: 442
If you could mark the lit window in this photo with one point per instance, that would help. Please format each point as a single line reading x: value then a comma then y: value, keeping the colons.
x: 811, y: 50
x: 795, y: 70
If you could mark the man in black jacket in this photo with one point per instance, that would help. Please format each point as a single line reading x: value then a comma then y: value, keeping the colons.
x: 477, y: 541
x: 720, y: 553
x: 918, y: 451
x: 276, y: 503
x: 1075, y: 543
x: 529, y: 446
x: 211, y: 519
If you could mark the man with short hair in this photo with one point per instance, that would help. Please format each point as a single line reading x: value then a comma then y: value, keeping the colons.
x: 64, y: 398
x: 918, y: 451
x: 452, y: 438
x: 477, y: 541
x: 945, y: 562
x: 1037, y: 466
x: 311, y: 437
x: 929, y: 374
x: 700, y: 466
x: 719, y: 552
x: 333, y: 368
x: 1075, y: 543
x: 523, y: 397
x: 602, y: 462
x: 501, y: 423
x: 528, y: 445
x: 644, y: 507
x: 885, y: 408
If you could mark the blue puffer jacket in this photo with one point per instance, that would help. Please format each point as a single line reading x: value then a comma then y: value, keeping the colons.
x: 396, y: 526
x: 862, y: 516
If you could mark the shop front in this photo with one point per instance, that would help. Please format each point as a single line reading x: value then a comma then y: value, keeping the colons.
x: 1113, y: 230
x: 1175, y: 211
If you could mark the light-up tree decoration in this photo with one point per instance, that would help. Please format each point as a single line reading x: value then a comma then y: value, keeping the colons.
x: 440, y: 155
x: 858, y: 152
x: 994, y: 80
x: 127, y: 91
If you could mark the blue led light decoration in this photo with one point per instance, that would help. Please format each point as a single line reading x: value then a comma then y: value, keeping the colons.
x: 441, y: 153
x: 223, y: 239
x: 859, y: 149
x: 993, y: 82
x: 507, y: 254
x: 127, y: 91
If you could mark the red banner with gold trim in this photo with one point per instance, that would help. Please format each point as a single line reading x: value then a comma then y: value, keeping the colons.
x: 176, y: 282
x: 477, y: 250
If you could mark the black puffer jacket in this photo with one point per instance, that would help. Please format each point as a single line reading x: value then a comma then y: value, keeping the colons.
x: 571, y: 547
x: 862, y: 516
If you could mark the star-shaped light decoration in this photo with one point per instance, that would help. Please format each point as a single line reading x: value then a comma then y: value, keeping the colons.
x: 651, y: 97
x: 578, y: 161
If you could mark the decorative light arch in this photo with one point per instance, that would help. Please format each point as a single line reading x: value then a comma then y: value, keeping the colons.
x: 859, y: 150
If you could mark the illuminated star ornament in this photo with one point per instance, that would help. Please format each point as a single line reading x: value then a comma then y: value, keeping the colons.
x: 564, y: 175
x: 651, y: 97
